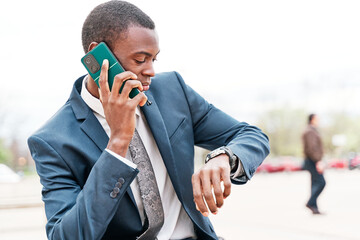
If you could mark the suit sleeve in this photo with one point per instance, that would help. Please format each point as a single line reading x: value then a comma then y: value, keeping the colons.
x: 214, y: 128
x: 74, y: 212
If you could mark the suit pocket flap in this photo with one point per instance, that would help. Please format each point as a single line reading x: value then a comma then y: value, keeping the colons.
x: 179, y: 131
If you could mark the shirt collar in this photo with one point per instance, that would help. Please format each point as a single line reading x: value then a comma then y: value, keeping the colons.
x: 93, y: 102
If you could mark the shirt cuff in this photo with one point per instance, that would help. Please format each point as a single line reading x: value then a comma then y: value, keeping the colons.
x: 239, y: 171
x: 124, y: 160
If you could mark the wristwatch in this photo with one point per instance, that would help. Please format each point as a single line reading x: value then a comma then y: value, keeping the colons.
x: 223, y: 150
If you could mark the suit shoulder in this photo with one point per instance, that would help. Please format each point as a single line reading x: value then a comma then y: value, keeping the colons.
x: 169, y: 77
x: 167, y: 83
x: 62, y: 120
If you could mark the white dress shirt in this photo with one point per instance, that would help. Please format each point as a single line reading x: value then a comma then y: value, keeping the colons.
x: 177, y: 224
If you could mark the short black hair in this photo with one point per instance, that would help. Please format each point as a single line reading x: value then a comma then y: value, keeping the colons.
x: 110, y: 20
x: 311, y: 116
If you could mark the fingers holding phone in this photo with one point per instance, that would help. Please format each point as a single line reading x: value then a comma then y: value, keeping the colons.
x: 126, y: 83
x: 104, y: 89
x: 121, y: 86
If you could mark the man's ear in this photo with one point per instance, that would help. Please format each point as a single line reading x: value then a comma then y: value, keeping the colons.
x: 92, y: 46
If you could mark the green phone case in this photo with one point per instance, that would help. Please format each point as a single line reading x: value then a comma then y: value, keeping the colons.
x: 93, y: 61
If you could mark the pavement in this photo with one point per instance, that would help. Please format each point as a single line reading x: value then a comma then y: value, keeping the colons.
x: 270, y: 206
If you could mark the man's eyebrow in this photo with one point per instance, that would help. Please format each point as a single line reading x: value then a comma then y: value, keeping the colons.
x: 147, y: 53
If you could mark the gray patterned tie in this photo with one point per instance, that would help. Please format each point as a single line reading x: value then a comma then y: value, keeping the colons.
x: 148, y: 188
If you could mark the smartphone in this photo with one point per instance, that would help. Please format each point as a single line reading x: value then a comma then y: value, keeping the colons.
x: 93, y: 61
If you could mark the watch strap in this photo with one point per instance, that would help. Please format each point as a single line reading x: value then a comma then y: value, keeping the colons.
x: 223, y: 150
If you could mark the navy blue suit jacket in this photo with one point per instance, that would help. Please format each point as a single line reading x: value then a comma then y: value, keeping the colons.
x: 78, y: 175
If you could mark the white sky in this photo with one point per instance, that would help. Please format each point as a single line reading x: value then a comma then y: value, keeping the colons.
x: 245, y: 56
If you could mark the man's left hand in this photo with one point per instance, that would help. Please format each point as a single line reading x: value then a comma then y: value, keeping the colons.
x: 207, y: 189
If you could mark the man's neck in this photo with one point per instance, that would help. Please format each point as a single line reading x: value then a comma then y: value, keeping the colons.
x: 92, y: 87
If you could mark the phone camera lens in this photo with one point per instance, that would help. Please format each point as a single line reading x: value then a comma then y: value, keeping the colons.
x: 88, y: 60
x: 93, y: 68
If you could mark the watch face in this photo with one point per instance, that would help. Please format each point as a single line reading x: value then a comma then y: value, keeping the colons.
x: 217, y: 152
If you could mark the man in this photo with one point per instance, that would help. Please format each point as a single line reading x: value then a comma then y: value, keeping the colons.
x: 313, y: 150
x: 116, y: 168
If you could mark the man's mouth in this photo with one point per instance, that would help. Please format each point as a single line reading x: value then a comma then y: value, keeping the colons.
x: 146, y: 85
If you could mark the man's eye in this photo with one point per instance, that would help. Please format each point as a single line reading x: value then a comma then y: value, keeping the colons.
x: 140, y: 61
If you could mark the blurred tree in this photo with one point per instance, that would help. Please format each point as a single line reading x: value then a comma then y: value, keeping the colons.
x: 8, y: 153
x: 5, y: 154
x: 284, y: 127
x: 345, y: 125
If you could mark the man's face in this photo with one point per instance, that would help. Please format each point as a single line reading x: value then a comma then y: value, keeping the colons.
x: 137, y: 53
x: 315, y: 121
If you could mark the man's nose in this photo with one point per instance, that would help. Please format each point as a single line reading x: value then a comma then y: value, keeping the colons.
x: 149, y: 70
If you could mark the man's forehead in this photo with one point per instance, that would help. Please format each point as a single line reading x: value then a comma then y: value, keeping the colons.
x: 139, y: 40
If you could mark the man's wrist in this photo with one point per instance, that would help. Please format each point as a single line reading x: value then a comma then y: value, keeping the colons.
x: 118, y: 146
x: 233, y: 159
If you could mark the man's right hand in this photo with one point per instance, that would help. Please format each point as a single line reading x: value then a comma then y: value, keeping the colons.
x: 320, y: 166
x: 119, y: 109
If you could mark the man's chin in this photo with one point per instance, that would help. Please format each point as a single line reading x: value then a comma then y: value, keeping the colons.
x: 146, y: 87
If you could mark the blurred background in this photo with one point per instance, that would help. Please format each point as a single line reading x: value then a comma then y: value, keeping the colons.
x: 268, y: 63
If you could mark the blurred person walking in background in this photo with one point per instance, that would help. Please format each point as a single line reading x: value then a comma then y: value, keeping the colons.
x: 313, y: 150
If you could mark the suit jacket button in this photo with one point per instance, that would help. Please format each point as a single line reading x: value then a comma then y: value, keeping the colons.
x: 121, y: 180
x: 118, y: 184
x: 116, y: 190
x: 113, y: 194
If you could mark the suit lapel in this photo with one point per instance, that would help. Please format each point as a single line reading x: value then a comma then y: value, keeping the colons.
x: 95, y: 131
x: 157, y: 127
x: 89, y: 123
